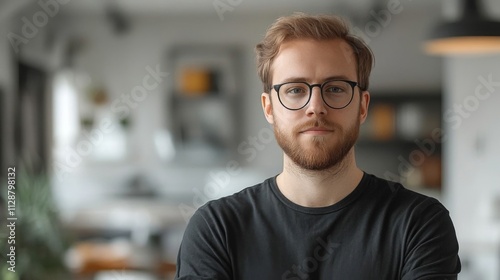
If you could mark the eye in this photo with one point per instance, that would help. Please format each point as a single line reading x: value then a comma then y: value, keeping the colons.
x: 295, y: 89
x: 336, y: 87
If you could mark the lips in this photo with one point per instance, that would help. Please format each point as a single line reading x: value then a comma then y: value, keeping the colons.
x: 317, y: 129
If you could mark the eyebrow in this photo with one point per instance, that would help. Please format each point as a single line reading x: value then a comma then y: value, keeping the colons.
x: 303, y: 79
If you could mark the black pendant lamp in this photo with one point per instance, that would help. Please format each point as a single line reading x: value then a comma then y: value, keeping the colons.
x: 472, y: 34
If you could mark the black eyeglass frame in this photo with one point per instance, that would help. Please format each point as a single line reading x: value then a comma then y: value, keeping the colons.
x: 353, y: 84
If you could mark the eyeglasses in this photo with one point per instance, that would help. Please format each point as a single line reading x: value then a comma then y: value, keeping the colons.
x: 336, y: 94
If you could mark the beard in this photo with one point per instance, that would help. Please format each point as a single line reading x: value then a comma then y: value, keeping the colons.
x: 320, y: 152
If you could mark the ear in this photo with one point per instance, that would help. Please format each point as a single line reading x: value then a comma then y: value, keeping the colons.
x: 363, y: 106
x: 267, y: 107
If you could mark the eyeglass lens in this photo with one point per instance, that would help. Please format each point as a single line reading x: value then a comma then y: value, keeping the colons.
x: 295, y: 95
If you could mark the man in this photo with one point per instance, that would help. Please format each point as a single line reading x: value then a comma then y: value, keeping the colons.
x: 322, y: 217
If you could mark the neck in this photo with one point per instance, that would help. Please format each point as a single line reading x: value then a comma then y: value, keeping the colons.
x: 319, y: 188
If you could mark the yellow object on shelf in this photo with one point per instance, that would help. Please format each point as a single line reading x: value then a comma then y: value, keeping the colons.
x: 195, y: 81
x: 383, y: 116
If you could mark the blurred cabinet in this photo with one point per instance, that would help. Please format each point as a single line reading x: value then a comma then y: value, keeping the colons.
x: 401, y: 139
x: 204, y: 101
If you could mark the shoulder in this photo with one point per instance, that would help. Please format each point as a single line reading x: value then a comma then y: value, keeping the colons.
x: 415, y: 212
x: 403, y: 197
x: 407, y: 209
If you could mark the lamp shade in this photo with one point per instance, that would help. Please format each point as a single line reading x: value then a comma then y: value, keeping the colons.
x: 473, y: 34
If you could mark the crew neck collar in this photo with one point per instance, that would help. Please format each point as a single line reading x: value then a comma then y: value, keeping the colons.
x: 351, y: 197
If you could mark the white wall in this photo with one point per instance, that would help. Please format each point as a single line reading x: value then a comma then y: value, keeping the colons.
x: 472, y: 153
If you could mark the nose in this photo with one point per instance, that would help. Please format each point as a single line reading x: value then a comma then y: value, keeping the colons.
x: 316, y: 105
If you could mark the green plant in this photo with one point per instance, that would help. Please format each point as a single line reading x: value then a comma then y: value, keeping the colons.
x: 40, y: 240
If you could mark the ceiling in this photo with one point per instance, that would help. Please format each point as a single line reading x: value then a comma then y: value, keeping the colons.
x: 185, y: 7
x: 149, y: 7
x: 189, y: 7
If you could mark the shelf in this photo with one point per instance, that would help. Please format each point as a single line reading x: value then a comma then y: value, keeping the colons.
x: 395, y: 139
x: 203, y: 101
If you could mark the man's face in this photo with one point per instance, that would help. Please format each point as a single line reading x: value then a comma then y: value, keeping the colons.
x: 315, y: 137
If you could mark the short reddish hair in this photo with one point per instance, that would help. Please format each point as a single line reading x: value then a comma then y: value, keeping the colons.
x: 303, y: 26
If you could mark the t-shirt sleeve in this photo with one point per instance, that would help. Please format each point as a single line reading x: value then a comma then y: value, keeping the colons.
x: 431, y: 250
x: 203, y: 254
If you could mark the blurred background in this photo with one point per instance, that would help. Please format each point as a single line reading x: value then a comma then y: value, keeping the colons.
x: 122, y: 117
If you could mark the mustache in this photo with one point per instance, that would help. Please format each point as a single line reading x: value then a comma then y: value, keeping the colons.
x: 319, y: 122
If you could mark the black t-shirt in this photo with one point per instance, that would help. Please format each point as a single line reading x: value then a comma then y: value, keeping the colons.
x: 379, y: 231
